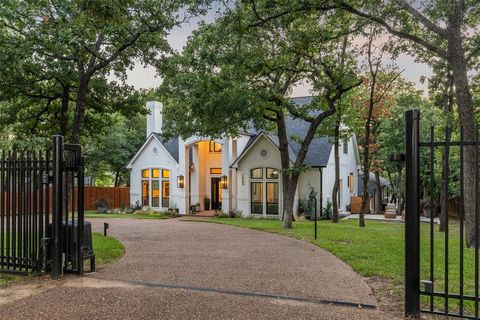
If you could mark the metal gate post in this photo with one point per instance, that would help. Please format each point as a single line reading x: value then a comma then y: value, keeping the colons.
x: 412, y: 214
x: 57, y: 230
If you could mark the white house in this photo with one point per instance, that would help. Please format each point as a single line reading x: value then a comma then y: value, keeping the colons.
x: 239, y: 173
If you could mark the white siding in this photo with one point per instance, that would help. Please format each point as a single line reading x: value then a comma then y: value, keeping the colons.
x: 252, y: 160
x: 147, y: 159
x: 348, y: 164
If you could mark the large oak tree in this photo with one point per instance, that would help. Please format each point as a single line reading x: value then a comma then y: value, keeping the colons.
x: 244, y: 75
x: 68, y: 47
x: 448, y: 29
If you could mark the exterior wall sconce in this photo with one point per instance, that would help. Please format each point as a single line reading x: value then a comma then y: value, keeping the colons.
x: 180, y: 182
x: 224, y: 182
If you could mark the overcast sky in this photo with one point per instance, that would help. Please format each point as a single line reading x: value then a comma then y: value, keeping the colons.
x: 146, y: 77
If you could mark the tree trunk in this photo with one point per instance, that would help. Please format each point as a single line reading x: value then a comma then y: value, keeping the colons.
x: 363, y: 208
x: 337, y: 174
x: 288, y: 200
x: 464, y: 98
x: 366, y: 168
x: 117, y: 178
x: 378, y: 194
x: 64, y: 111
x: 80, y: 109
x: 288, y: 186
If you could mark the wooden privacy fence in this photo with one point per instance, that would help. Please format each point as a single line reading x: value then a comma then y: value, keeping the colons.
x: 116, y: 196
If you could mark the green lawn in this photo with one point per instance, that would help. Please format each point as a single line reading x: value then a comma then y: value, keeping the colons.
x: 377, y: 250
x: 107, y: 250
x: 94, y: 214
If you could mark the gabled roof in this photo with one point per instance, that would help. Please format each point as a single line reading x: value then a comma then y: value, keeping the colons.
x: 320, y: 147
x: 171, y: 146
x: 270, y: 137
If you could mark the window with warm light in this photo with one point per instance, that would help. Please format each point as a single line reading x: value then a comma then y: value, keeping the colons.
x: 156, y: 186
x: 257, y: 198
x: 145, y: 193
x: 351, y: 182
x: 215, y: 170
x: 165, y: 193
x: 214, y: 147
x: 256, y: 173
x: 264, y: 191
x: 272, y: 173
x: 165, y: 174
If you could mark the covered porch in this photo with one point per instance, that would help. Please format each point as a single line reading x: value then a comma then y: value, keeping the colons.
x: 209, y: 181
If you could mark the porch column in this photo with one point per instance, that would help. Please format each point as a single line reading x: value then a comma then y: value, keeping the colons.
x: 226, y: 193
x: 233, y: 178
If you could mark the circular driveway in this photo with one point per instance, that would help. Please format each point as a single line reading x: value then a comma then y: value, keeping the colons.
x: 174, y: 269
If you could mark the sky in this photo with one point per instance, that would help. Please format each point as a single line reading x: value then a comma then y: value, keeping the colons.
x: 145, y: 77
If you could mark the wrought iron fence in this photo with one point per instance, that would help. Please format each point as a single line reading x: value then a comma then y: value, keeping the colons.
x: 441, y: 273
x: 41, y: 204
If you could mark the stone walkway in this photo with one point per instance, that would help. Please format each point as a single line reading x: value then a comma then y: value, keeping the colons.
x: 189, y: 270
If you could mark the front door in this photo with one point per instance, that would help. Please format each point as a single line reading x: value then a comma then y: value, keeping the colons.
x: 216, y: 194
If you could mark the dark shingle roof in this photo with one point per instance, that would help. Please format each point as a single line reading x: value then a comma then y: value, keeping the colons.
x: 318, y: 152
x: 171, y: 145
x: 320, y: 147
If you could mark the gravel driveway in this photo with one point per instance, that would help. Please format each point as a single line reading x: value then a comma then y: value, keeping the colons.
x: 189, y: 270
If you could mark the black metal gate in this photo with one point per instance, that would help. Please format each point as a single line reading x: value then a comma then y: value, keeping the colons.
x: 41, y: 208
x: 441, y: 274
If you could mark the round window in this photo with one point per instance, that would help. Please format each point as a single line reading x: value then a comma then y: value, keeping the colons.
x: 264, y: 153
x: 155, y: 150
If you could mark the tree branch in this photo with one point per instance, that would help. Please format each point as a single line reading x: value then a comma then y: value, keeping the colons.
x: 404, y: 35
x: 421, y: 18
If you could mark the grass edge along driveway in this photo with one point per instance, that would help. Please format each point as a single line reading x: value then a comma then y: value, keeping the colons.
x: 377, y: 251
x: 107, y: 250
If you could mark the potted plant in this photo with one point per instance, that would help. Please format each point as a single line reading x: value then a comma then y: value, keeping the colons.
x: 206, y: 203
x: 102, y: 205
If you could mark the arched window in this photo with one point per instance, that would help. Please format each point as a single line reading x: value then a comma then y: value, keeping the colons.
x: 264, y: 191
x: 156, y: 181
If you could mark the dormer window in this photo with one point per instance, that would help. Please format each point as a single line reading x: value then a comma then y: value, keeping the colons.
x: 214, y: 147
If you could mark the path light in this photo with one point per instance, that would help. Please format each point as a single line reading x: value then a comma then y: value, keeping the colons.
x: 180, y: 182
x: 224, y: 182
